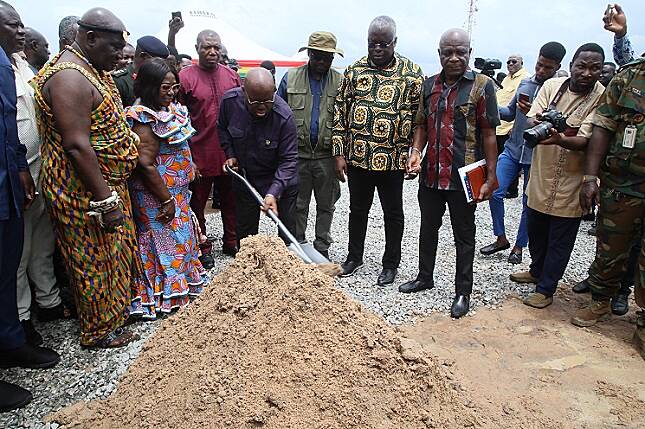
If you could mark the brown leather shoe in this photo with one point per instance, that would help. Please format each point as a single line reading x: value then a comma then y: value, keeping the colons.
x: 595, y: 312
x: 538, y: 300
x: 523, y: 277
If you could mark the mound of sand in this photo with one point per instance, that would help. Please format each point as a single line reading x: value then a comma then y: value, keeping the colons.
x: 273, y: 344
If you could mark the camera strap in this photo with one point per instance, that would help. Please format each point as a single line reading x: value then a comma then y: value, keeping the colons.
x: 552, y: 106
x: 559, y: 94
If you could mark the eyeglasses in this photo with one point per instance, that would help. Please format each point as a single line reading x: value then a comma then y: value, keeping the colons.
x: 509, y: 62
x: 382, y: 45
x: 257, y: 103
x: 165, y: 87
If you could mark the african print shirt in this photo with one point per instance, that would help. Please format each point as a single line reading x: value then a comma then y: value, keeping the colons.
x: 374, y: 114
x: 454, y: 117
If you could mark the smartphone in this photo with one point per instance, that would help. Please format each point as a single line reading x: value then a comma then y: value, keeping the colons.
x: 525, y: 98
x: 609, y: 14
x: 177, y: 15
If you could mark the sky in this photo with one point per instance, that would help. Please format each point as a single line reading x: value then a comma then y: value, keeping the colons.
x: 502, y: 27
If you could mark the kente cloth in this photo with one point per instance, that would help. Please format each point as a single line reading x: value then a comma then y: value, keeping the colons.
x: 102, y: 266
x: 169, y: 252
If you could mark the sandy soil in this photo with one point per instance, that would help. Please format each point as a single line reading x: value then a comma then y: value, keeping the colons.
x: 272, y: 343
x: 534, y: 363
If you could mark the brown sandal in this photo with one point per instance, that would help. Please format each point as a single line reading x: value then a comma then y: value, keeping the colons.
x: 117, y: 338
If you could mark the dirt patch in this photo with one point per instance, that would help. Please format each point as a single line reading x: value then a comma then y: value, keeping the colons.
x: 273, y: 344
x: 535, y: 363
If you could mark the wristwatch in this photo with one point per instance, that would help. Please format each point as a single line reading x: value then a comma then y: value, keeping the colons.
x: 588, y: 178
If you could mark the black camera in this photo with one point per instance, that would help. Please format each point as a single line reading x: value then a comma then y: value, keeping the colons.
x: 487, y: 66
x: 550, y: 119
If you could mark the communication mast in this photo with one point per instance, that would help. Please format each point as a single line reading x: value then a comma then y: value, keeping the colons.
x: 472, y: 10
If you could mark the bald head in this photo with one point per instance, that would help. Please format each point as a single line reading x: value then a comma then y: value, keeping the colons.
x: 36, y: 48
x: 454, y: 54
x: 103, y: 18
x: 101, y: 36
x: 455, y: 36
x: 33, y: 35
x: 260, y: 91
x: 259, y: 79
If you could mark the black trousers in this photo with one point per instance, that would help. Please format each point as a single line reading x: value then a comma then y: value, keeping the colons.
x: 389, y: 185
x: 462, y: 217
x: 11, y: 240
x: 247, y: 211
x: 551, y: 241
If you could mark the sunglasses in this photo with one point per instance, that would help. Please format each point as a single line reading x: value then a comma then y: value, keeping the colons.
x: 382, y: 45
x: 257, y: 103
x: 511, y: 62
x: 321, y: 56
x: 165, y: 87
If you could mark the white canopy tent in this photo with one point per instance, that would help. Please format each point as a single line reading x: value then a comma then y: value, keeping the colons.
x: 246, y: 51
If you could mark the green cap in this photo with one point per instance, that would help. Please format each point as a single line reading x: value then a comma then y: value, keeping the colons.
x: 322, y: 41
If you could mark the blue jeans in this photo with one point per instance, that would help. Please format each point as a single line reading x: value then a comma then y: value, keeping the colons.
x: 507, y: 171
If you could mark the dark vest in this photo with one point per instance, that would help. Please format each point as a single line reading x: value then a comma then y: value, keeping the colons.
x: 300, y: 100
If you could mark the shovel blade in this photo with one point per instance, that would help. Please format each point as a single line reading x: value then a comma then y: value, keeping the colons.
x: 311, y: 255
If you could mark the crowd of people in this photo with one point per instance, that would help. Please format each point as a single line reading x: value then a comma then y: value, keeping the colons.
x: 111, y: 151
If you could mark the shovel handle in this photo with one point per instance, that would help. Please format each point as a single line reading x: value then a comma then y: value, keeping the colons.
x: 270, y: 213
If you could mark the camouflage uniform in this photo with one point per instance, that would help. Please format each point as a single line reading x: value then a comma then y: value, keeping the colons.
x: 124, y: 81
x: 622, y: 189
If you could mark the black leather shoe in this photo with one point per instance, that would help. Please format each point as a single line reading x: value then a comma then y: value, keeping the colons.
x: 589, y: 217
x: 515, y: 258
x: 511, y: 194
x: 581, y: 287
x: 207, y: 261
x: 230, y: 251
x: 325, y: 253
x: 29, y: 356
x: 61, y: 311
x: 460, y: 306
x: 493, y: 248
x: 620, y: 304
x: 386, y: 277
x: 13, y: 397
x: 415, y: 286
x: 349, y: 268
x: 31, y: 335
x: 592, y: 230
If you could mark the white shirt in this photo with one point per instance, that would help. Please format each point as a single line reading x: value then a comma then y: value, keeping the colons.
x: 26, y: 114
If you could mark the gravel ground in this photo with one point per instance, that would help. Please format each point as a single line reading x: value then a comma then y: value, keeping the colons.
x: 84, y: 375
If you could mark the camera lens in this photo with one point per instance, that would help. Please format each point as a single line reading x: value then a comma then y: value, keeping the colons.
x: 534, y: 135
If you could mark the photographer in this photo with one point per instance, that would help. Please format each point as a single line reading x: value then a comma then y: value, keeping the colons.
x: 554, y: 212
x: 516, y: 155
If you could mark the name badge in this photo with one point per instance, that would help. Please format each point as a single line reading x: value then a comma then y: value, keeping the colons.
x: 629, y: 138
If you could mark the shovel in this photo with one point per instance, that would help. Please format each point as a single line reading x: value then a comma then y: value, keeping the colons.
x: 306, y: 252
